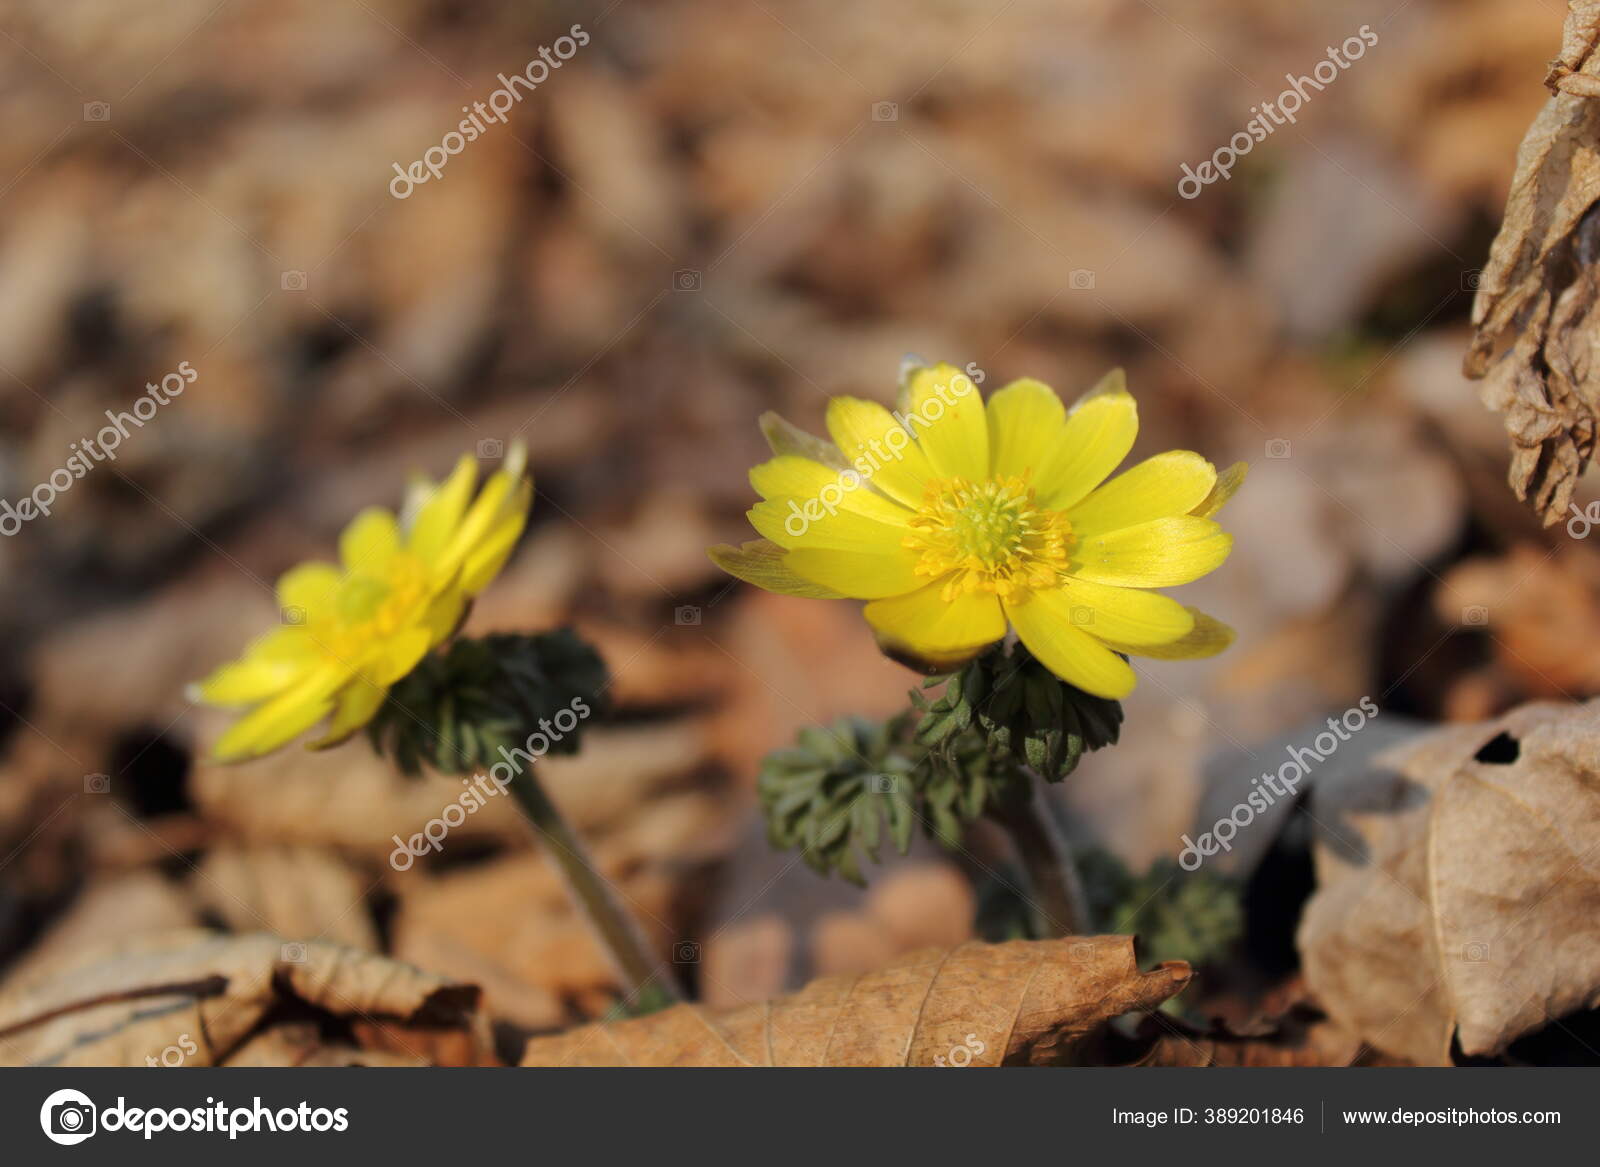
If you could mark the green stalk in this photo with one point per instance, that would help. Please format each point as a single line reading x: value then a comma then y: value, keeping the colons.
x: 646, y: 980
x: 1057, y: 902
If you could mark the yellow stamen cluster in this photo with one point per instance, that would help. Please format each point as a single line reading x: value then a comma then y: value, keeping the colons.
x: 989, y: 536
x: 369, y: 607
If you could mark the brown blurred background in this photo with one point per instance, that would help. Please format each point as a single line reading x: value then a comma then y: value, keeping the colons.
x: 713, y: 208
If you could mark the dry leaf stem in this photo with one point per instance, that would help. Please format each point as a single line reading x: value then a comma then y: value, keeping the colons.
x: 644, y: 976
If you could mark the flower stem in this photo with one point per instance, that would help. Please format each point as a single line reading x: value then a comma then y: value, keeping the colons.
x: 645, y: 978
x: 1057, y: 903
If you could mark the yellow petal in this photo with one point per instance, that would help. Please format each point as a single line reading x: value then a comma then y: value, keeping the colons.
x: 484, y: 561
x: 369, y: 542
x: 444, y: 615
x: 1227, y: 485
x: 1173, y: 483
x: 924, y: 630
x: 502, y: 497
x: 358, y: 703
x: 946, y: 416
x: 1069, y: 652
x: 283, y: 718
x: 763, y: 563
x: 1125, y: 615
x: 1025, y: 420
x: 879, y: 448
x: 271, y: 664
x: 807, y: 503
x: 313, y: 588
x: 439, y: 510
x: 792, y: 525
x: 1159, y: 554
x: 1208, y: 637
x: 399, y: 654
x: 789, y: 476
x: 857, y: 575
x: 1098, y: 434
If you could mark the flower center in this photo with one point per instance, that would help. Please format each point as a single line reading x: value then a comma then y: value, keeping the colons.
x: 371, y: 608
x: 989, y: 536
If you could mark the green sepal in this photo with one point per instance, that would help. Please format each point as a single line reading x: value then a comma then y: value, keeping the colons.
x: 459, y: 709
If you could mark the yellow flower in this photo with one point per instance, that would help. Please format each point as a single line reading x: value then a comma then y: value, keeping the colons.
x: 350, y: 632
x: 953, y: 521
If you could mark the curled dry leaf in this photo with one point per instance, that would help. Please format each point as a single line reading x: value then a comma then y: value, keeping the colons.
x: 133, y: 1000
x: 1537, y: 312
x: 1025, y: 1002
x: 1578, y: 40
x: 1458, y: 886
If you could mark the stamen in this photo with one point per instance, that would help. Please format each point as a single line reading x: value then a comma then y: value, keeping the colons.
x: 989, y: 536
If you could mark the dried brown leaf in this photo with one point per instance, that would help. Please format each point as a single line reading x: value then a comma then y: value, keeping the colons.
x: 1537, y: 312
x: 107, y: 910
x: 1459, y: 885
x: 1019, y: 1003
x: 292, y: 891
x: 1578, y: 38
x: 302, y: 1044
x: 1540, y: 609
x: 131, y: 1001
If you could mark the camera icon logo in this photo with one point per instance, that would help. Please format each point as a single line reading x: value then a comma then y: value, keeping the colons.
x: 491, y: 448
x: 686, y: 952
x: 293, y: 281
x: 97, y: 784
x: 97, y: 111
x: 294, y: 952
x: 687, y: 616
x: 1475, y: 614
x: 1475, y: 952
x: 686, y: 280
x: 294, y: 614
x: 68, y: 1117
x: 1082, y: 614
x: 1472, y: 280
x: 1278, y: 448
x: 885, y: 111
x: 881, y: 784
x: 1081, y: 280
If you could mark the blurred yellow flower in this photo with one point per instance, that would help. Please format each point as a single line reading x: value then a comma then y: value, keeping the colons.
x: 352, y: 631
x: 953, y: 521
